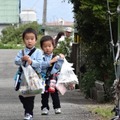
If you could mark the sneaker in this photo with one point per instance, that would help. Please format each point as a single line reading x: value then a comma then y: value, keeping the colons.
x: 44, y: 111
x: 28, y: 117
x: 57, y: 111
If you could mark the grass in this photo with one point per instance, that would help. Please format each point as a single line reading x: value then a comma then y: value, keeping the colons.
x: 104, y: 111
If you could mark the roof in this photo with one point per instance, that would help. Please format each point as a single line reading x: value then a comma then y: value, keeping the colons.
x: 60, y: 23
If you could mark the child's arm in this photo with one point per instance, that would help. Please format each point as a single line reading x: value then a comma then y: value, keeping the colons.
x: 55, y: 59
x: 46, y: 64
x: 27, y: 59
x: 18, y: 60
x: 36, y: 59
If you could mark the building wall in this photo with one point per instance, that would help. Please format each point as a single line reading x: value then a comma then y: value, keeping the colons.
x: 27, y: 16
x: 9, y: 11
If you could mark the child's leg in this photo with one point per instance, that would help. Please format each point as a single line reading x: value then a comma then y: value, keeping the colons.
x: 28, y: 103
x: 44, y: 100
x: 55, y: 99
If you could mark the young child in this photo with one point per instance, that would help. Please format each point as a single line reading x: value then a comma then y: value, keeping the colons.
x: 59, y: 36
x: 47, y: 45
x: 29, y: 38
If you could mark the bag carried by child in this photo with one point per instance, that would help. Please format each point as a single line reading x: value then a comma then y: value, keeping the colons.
x: 67, y: 78
x: 27, y: 81
x: 32, y: 83
x: 18, y: 74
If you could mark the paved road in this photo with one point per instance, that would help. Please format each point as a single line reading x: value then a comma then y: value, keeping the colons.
x: 73, y: 103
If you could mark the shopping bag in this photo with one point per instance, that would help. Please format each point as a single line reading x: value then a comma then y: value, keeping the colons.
x: 18, y: 74
x: 66, y: 78
x: 32, y: 83
x: 61, y: 88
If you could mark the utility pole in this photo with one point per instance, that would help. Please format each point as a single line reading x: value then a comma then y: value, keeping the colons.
x: 44, y: 16
x: 117, y: 83
x: 118, y: 10
x: 44, y: 12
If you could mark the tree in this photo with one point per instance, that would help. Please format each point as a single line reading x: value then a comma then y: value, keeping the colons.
x: 92, y: 24
x: 13, y: 34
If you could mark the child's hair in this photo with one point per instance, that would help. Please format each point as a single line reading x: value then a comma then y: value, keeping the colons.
x: 46, y: 38
x: 29, y: 30
x: 59, y: 35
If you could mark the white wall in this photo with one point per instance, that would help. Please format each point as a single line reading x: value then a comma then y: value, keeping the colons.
x: 28, y: 16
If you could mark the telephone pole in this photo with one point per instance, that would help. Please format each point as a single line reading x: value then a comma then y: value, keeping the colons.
x: 44, y: 12
x: 44, y: 16
x: 118, y: 10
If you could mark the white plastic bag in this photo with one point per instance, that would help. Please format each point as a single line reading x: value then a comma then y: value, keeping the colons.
x: 67, y: 78
x: 31, y: 84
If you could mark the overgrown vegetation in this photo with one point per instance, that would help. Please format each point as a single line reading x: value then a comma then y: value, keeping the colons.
x: 12, y: 35
x: 104, y: 111
x: 93, y: 27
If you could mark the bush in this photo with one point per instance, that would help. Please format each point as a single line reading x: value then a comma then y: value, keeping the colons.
x: 93, y: 28
x: 13, y: 34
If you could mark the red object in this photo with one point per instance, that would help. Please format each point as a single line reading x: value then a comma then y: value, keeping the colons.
x: 52, y: 86
x: 51, y: 89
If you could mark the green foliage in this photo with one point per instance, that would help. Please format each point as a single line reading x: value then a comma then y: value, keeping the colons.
x: 87, y: 81
x: 10, y: 46
x: 104, y: 111
x: 93, y: 27
x: 13, y: 34
x: 64, y: 47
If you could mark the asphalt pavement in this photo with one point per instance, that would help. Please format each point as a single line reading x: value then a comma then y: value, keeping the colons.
x: 73, y: 103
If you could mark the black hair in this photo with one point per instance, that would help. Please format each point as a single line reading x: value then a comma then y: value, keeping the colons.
x: 46, y: 38
x: 59, y: 35
x: 29, y: 30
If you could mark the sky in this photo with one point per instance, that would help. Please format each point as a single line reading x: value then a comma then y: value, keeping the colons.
x: 56, y: 9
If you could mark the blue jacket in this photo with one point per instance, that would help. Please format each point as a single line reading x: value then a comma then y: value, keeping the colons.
x: 46, y: 63
x: 36, y: 58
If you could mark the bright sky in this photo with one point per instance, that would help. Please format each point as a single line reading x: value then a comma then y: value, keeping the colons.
x: 56, y: 9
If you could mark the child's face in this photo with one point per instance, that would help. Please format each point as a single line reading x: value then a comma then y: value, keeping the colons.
x: 29, y: 40
x: 47, y: 47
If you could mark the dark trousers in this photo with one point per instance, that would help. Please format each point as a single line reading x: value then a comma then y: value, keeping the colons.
x: 28, y: 103
x: 55, y: 100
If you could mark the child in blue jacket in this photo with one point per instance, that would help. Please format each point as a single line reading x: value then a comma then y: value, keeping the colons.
x: 29, y: 38
x: 47, y: 45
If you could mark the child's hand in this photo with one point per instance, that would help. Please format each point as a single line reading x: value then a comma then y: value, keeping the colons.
x: 54, y: 59
x: 61, y: 55
x: 27, y: 59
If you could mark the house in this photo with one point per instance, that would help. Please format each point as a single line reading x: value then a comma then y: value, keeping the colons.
x: 60, y: 22
x: 54, y: 27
